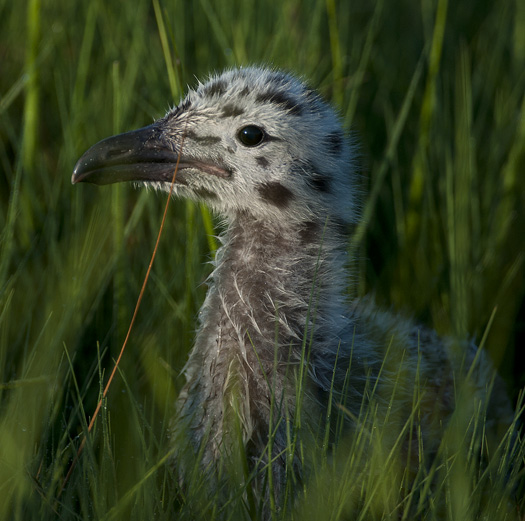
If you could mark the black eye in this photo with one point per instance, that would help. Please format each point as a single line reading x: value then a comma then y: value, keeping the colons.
x: 251, y: 136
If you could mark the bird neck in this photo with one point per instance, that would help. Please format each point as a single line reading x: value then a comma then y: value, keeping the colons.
x: 273, y: 280
x: 276, y: 291
x: 274, y: 285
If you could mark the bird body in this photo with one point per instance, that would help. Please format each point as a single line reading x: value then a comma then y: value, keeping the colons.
x: 279, y: 343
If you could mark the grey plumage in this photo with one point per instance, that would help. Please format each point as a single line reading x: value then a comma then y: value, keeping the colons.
x: 266, y: 153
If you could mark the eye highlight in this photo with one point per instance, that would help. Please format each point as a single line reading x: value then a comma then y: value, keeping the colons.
x: 251, y: 135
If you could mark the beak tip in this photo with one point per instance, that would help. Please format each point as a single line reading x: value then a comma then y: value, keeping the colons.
x: 76, y: 176
x: 133, y: 156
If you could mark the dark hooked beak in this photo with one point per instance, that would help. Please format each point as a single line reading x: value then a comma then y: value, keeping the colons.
x: 140, y: 155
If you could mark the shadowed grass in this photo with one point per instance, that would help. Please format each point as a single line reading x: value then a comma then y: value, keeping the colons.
x: 435, y: 92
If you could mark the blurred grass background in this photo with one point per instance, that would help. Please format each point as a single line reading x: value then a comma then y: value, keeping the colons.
x: 434, y: 91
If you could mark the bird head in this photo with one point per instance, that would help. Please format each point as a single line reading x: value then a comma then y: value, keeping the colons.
x: 249, y: 140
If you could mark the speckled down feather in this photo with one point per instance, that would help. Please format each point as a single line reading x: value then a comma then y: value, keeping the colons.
x: 268, y: 155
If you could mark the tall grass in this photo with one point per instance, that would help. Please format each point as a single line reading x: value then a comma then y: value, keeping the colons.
x: 435, y: 92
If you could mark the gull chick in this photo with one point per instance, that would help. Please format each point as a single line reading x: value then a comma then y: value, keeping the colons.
x: 279, y: 342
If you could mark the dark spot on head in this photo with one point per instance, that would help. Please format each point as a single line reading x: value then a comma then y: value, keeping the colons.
x: 334, y: 142
x: 262, y: 161
x: 279, y: 79
x: 204, y: 193
x: 275, y: 193
x: 244, y: 92
x: 203, y: 140
x: 308, y: 232
x: 215, y: 88
x: 320, y: 183
x: 182, y: 107
x: 279, y: 98
x: 230, y: 111
x: 315, y: 180
x: 230, y: 150
x: 311, y: 95
x: 315, y: 102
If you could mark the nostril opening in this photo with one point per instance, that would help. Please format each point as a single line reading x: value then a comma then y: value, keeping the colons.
x: 117, y: 152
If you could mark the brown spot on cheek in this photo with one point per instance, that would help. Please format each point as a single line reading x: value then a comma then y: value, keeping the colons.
x: 262, y: 161
x: 308, y: 232
x: 275, y: 193
x: 320, y: 183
